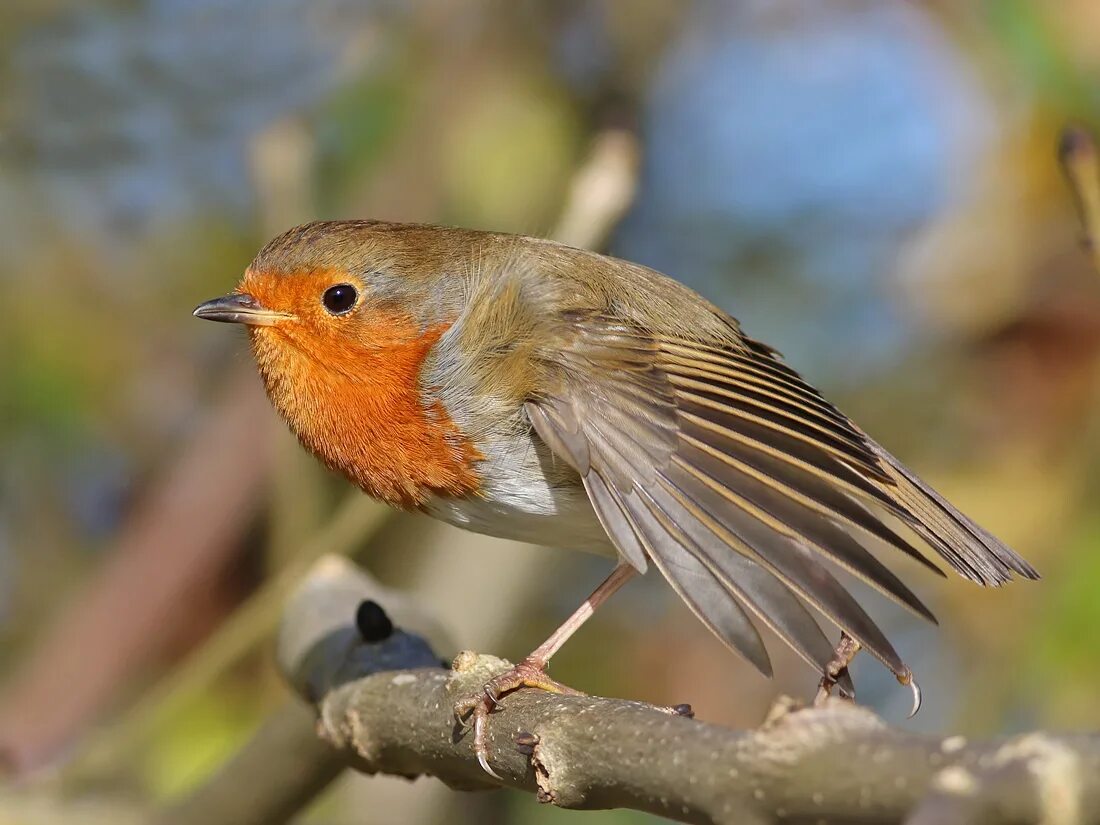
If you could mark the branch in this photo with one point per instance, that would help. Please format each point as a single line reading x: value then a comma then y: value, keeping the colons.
x: 284, y: 765
x: 601, y: 190
x: 836, y: 763
x: 1081, y: 163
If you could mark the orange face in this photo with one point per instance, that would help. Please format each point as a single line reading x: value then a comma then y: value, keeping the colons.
x: 344, y: 368
x: 327, y: 314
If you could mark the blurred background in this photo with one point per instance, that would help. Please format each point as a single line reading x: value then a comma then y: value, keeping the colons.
x: 872, y: 188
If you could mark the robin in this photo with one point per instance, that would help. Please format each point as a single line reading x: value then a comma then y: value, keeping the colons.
x: 521, y: 388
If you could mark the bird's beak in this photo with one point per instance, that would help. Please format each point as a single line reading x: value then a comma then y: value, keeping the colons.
x: 239, y: 308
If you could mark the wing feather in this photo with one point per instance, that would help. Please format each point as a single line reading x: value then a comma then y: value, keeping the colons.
x: 817, y: 492
x: 719, y: 464
x: 711, y: 599
x: 619, y: 529
x: 790, y: 562
x: 769, y: 599
x: 785, y: 515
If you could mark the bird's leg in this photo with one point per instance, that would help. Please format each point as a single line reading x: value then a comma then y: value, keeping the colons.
x: 531, y: 672
x: 837, y: 668
x: 836, y: 673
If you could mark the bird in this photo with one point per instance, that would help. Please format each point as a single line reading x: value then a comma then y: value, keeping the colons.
x: 521, y: 388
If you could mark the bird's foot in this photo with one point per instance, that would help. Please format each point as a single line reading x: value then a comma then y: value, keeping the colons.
x: 836, y: 675
x: 474, y: 710
x: 836, y: 671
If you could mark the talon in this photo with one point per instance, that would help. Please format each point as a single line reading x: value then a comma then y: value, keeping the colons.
x: 462, y: 711
x: 916, y: 696
x: 481, y: 748
x: 528, y: 673
x: 494, y: 700
x: 484, y: 762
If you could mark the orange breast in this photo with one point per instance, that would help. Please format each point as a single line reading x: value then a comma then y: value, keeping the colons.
x: 356, y: 402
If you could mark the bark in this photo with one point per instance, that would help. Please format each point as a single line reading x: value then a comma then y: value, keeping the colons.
x: 833, y: 763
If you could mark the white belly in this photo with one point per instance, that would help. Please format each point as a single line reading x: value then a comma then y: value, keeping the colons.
x: 527, y: 509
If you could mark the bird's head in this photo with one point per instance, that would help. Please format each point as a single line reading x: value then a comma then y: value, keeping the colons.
x: 342, y: 317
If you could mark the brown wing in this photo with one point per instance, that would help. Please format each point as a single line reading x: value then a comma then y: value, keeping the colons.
x: 720, y: 465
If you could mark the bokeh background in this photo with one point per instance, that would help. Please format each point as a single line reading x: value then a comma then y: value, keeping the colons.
x: 871, y: 187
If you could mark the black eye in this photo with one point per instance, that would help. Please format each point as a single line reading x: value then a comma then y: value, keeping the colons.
x: 339, y: 299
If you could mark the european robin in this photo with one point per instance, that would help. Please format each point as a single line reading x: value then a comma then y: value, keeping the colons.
x: 521, y: 388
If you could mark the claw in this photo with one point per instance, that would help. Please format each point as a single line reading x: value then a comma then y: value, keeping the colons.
x: 906, y: 678
x: 493, y: 698
x: 481, y: 749
x: 462, y: 711
x: 528, y: 673
x: 916, y: 696
x: 484, y: 762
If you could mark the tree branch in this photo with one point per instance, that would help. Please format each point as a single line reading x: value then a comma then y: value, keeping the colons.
x: 835, y: 763
x: 284, y: 765
x: 1081, y: 163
